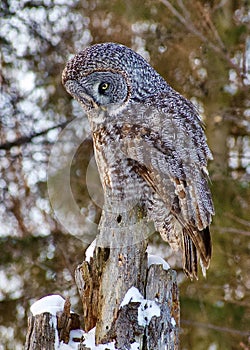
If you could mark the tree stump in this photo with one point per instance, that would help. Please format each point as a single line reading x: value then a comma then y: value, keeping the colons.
x: 130, y: 304
x: 119, y: 263
x: 47, y: 330
x: 41, y: 333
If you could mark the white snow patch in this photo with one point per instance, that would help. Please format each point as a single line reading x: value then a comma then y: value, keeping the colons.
x: 146, y: 310
x: 72, y: 345
x: 90, y: 251
x: 173, y: 323
x: 50, y: 303
x: 132, y: 295
x: 157, y: 260
x: 53, y: 323
x: 90, y: 342
x: 135, y: 346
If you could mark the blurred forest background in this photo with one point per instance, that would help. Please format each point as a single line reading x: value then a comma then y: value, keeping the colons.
x: 202, y: 48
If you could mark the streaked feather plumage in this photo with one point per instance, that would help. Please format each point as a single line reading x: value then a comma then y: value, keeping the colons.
x: 149, y: 145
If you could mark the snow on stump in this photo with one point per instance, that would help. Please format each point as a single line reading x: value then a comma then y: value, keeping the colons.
x: 115, y: 267
x: 130, y: 301
x: 147, y: 319
x: 51, y: 324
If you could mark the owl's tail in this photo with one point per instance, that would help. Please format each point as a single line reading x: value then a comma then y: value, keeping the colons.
x: 196, y: 244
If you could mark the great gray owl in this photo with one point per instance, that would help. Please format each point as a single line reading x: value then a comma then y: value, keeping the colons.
x: 149, y: 144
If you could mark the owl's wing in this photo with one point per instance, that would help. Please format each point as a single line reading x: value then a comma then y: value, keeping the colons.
x: 171, y: 153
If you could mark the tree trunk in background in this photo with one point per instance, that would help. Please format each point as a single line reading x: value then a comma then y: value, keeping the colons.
x: 217, y: 132
x: 218, y: 122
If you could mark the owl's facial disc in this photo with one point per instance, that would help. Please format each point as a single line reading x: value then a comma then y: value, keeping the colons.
x: 104, y: 88
x: 80, y: 94
x: 98, y: 87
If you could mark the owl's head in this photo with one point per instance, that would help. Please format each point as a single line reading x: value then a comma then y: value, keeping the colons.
x: 109, y: 73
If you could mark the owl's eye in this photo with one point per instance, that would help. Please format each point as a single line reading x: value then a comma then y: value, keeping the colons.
x: 103, y: 87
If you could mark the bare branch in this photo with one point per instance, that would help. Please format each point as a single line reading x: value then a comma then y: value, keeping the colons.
x: 27, y: 139
x: 232, y: 230
x: 239, y: 220
x: 221, y: 49
x: 214, y: 327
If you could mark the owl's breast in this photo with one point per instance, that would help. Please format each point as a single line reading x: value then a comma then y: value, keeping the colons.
x: 119, y: 179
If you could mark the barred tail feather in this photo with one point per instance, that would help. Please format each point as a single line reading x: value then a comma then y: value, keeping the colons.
x: 189, y: 256
x: 196, y: 244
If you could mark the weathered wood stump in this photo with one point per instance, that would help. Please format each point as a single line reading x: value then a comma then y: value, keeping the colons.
x: 41, y: 333
x: 119, y: 263
x: 46, y: 330
x: 160, y: 332
x: 130, y: 304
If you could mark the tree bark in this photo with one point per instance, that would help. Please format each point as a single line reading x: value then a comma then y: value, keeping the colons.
x: 41, y: 333
x: 46, y: 330
x: 163, y: 332
x: 127, y: 301
x: 119, y: 263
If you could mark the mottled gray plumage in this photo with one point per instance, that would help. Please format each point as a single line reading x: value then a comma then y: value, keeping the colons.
x: 149, y: 145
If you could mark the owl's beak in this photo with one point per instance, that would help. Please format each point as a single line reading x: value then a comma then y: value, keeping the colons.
x: 77, y: 91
